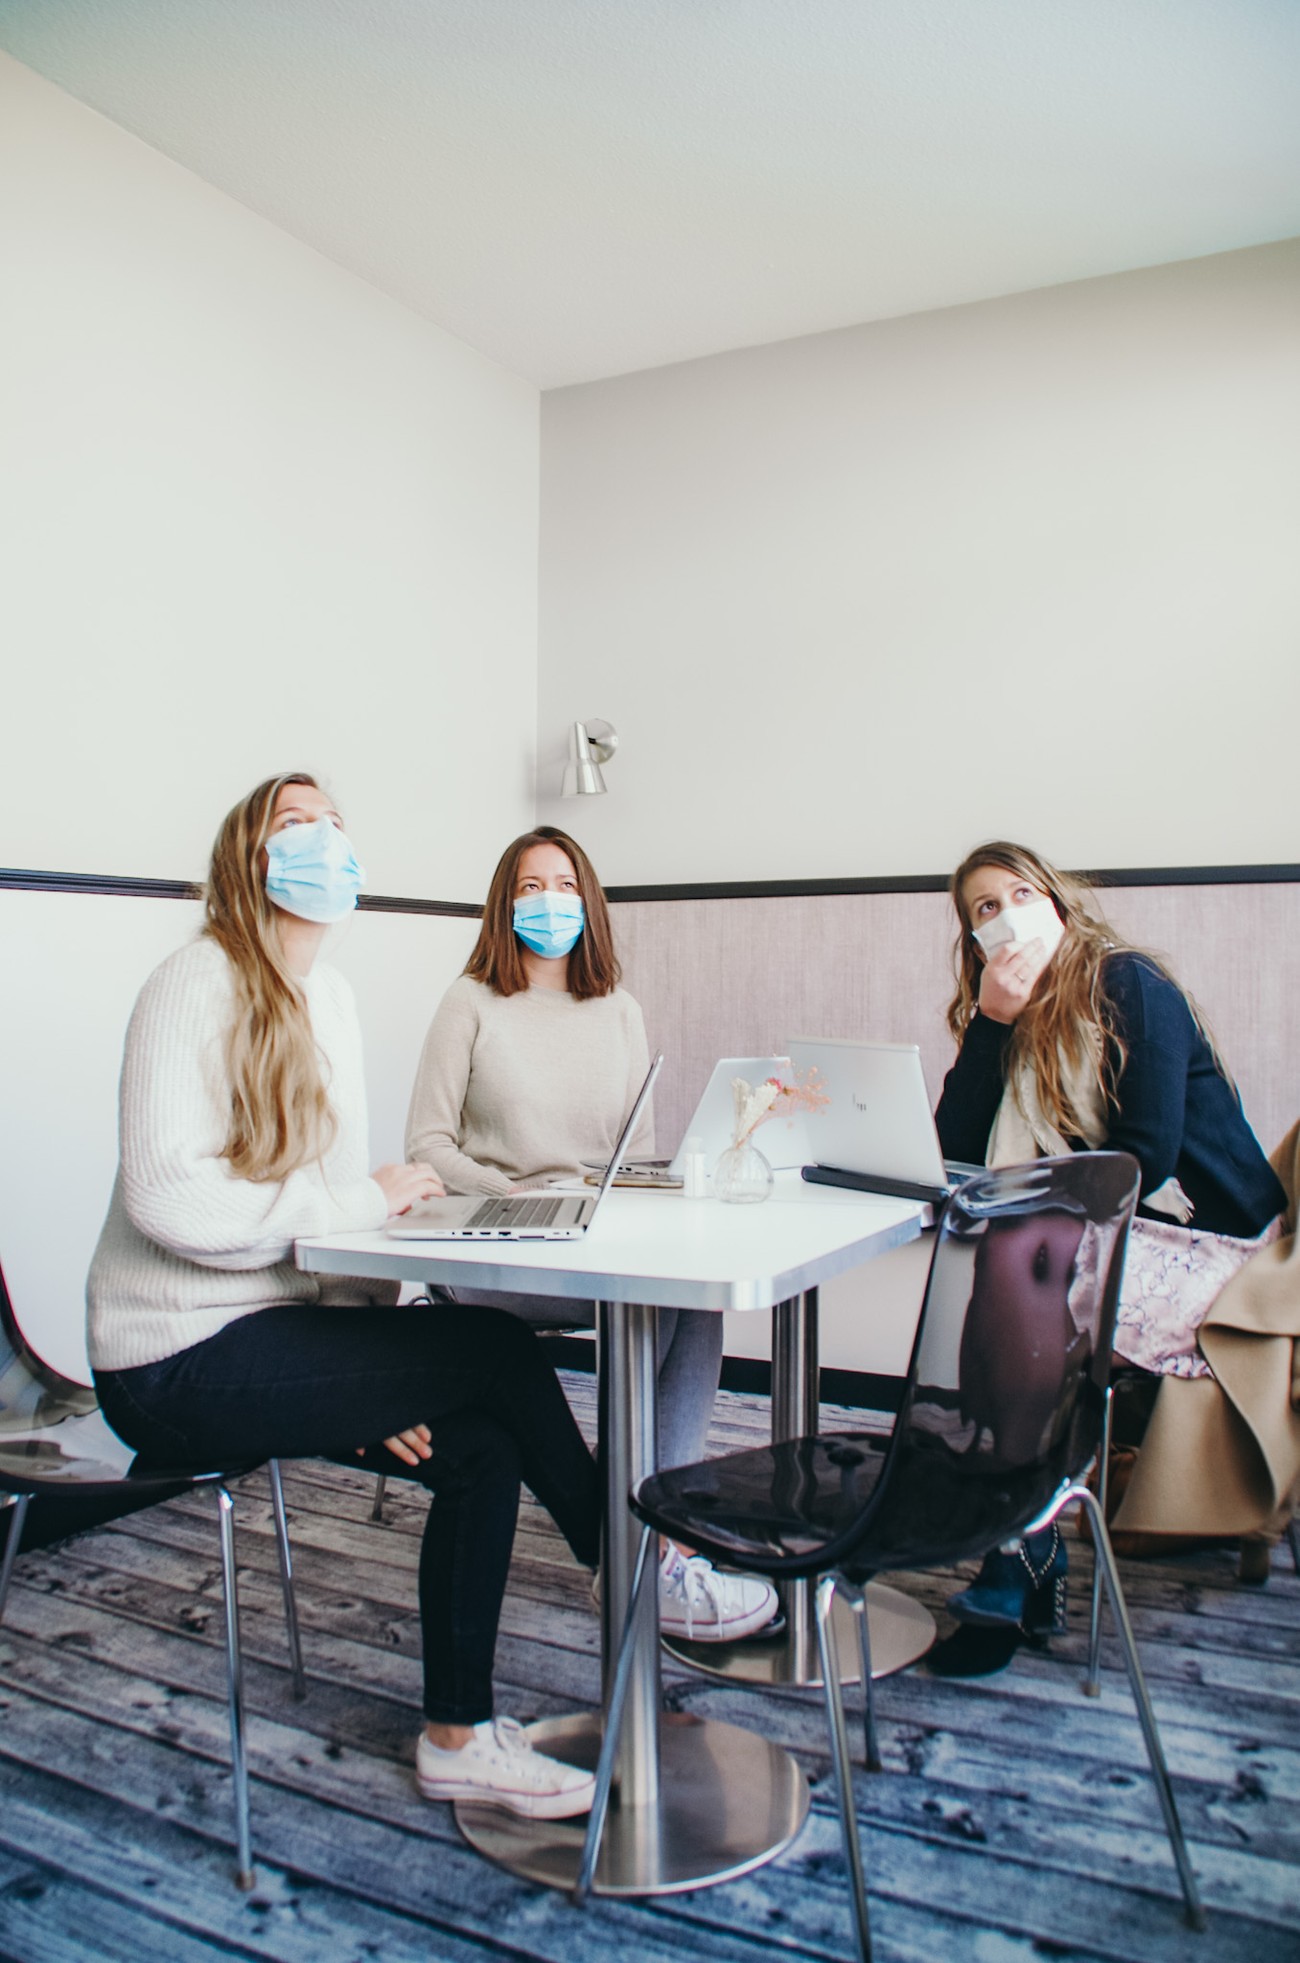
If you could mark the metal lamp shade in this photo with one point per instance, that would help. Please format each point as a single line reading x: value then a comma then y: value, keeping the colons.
x: 582, y: 773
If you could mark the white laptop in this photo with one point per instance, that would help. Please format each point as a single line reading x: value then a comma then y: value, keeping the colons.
x: 877, y: 1130
x: 539, y: 1216
x: 783, y: 1141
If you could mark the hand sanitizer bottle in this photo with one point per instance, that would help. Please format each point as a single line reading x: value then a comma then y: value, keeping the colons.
x: 695, y: 1177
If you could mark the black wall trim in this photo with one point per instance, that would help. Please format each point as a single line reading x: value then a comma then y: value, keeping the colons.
x: 385, y: 903
x: 937, y: 882
x: 783, y: 889
x: 14, y: 880
x: 860, y: 1388
x: 1197, y: 876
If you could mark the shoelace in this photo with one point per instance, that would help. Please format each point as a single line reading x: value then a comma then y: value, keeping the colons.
x: 697, y: 1574
x: 511, y: 1740
x: 509, y: 1736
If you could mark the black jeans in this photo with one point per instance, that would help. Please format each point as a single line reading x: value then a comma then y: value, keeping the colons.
x: 314, y: 1382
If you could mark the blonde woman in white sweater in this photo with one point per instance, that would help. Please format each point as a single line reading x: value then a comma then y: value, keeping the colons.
x: 529, y: 1070
x: 243, y: 1126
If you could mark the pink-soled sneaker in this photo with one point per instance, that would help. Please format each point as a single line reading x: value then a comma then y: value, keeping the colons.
x: 500, y: 1767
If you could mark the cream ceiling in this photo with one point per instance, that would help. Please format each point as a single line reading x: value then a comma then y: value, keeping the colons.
x: 584, y: 187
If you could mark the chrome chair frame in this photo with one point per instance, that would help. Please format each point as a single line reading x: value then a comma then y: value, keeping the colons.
x: 59, y: 1406
x: 17, y: 1504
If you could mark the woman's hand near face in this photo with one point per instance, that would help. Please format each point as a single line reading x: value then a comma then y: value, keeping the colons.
x: 1010, y: 977
x: 403, y: 1186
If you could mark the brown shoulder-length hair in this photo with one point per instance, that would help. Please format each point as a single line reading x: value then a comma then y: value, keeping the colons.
x: 280, y: 1113
x: 1068, y: 1020
x: 498, y: 959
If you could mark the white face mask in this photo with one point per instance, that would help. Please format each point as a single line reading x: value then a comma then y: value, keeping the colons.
x: 1036, y: 920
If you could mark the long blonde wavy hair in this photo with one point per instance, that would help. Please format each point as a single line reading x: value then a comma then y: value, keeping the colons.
x: 1067, y: 1028
x: 280, y: 1113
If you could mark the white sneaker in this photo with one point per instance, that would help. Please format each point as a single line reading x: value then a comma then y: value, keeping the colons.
x: 699, y: 1602
x: 500, y: 1767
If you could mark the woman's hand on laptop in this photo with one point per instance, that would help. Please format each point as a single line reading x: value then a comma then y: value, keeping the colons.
x: 403, y: 1186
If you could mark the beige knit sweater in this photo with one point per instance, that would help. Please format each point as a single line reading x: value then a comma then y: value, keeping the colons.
x: 187, y: 1246
x: 520, y: 1088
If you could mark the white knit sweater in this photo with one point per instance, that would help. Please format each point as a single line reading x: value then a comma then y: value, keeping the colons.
x: 187, y: 1246
x: 520, y: 1088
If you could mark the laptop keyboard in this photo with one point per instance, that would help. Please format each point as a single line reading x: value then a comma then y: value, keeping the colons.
x: 514, y: 1213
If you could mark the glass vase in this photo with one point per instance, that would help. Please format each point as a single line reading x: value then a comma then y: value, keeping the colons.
x: 742, y: 1175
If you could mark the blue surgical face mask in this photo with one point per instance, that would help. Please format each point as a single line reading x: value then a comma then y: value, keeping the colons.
x: 311, y: 870
x: 549, y: 923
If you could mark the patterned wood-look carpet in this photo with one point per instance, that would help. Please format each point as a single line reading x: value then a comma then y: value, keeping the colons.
x: 1015, y: 1819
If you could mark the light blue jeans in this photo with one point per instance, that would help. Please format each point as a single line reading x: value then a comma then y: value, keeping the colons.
x: 690, y: 1360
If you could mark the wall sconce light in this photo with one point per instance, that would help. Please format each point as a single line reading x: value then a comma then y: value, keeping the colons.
x: 591, y: 743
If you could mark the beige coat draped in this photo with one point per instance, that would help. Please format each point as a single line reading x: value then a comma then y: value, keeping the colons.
x: 1222, y: 1453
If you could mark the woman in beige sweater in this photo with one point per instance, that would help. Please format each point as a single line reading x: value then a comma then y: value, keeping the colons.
x: 528, y: 1071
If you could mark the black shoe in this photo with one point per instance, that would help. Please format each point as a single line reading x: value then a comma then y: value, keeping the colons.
x: 1023, y: 1590
x: 1045, y: 1556
x: 973, y: 1652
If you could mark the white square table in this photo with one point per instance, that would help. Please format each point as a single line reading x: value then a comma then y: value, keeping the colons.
x: 697, y: 1800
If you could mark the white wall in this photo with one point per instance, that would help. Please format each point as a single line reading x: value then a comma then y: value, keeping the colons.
x: 255, y: 516
x: 1023, y: 568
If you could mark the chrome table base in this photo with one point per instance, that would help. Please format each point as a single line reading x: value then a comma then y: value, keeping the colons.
x: 728, y: 1801
x: 696, y: 1801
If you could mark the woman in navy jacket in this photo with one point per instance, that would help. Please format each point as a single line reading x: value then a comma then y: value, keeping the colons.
x: 1071, y: 1040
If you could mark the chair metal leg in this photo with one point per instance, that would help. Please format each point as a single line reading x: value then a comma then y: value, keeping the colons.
x: 857, y: 1600
x: 1146, y: 1716
x: 381, y: 1487
x: 843, y: 1767
x: 244, y: 1874
x: 1092, y: 1682
x: 613, y: 1725
x: 286, y: 1579
x: 16, y: 1504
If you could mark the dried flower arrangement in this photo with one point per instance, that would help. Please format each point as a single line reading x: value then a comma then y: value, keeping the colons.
x: 774, y: 1098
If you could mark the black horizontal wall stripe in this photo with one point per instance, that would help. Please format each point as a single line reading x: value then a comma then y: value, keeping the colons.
x: 15, y: 880
x: 386, y: 903
x: 783, y: 889
x: 937, y: 882
x: 865, y: 1390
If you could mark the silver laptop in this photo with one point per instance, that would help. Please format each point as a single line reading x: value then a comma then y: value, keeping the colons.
x: 782, y: 1141
x: 539, y: 1216
x: 878, y: 1128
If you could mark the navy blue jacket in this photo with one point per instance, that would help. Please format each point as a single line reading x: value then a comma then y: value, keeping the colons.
x: 1176, y: 1114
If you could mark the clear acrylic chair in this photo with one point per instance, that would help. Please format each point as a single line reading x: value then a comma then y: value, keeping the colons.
x: 1000, y: 1425
x: 56, y: 1445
